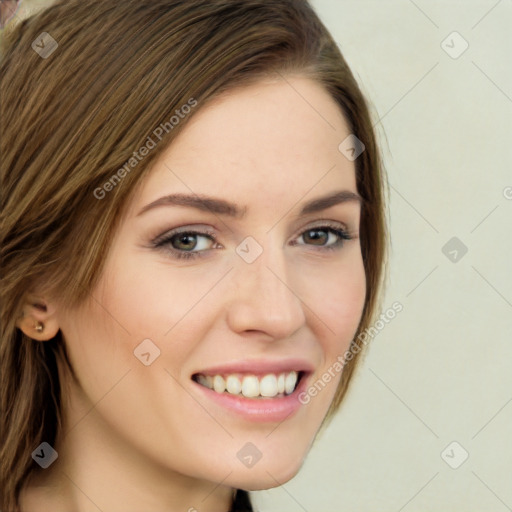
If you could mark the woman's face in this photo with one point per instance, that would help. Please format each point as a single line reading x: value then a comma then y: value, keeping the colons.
x: 194, y: 292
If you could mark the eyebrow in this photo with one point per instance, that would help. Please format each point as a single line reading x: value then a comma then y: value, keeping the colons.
x: 223, y: 207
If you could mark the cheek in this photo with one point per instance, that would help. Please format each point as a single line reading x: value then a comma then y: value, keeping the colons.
x: 136, y: 295
x: 153, y: 300
x: 95, y: 346
x: 339, y: 304
x: 152, y: 294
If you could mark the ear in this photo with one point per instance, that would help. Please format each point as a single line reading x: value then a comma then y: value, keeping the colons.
x: 38, y: 319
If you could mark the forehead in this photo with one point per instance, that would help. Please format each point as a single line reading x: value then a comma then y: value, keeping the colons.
x: 269, y: 140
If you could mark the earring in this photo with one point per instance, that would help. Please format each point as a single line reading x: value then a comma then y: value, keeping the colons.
x: 39, y: 327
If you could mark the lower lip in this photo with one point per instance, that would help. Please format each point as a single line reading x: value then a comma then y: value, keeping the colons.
x: 258, y: 409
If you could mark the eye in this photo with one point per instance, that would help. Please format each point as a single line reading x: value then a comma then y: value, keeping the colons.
x: 190, y: 243
x: 186, y: 243
x: 325, y: 237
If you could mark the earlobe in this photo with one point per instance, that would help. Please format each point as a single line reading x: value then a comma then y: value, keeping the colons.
x: 38, y: 319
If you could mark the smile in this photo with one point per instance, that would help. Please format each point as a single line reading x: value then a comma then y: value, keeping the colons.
x: 255, y: 391
x: 271, y: 385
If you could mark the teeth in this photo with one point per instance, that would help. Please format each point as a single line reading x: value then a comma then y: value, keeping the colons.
x: 280, y: 383
x: 205, y: 380
x: 289, y: 383
x: 268, y: 386
x: 250, y: 386
x: 233, y: 385
x: 219, y: 384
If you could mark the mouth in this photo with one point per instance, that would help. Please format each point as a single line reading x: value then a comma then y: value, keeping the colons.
x: 255, y: 392
x: 252, y: 386
x: 264, y: 398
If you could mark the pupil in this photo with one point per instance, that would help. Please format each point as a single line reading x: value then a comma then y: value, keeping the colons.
x: 315, y: 238
x: 187, y: 240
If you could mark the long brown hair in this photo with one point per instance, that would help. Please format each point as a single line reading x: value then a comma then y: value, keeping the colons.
x: 73, y: 116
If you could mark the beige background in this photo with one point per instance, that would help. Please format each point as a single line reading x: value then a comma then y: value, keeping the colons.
x: 440, y: 371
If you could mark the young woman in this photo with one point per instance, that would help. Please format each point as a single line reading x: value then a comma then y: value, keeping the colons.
x: 193, y: 237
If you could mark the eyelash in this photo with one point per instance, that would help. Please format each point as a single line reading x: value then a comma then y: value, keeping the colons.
x: 163, y: 242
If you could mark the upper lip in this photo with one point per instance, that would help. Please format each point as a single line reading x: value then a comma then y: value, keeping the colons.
x: 261, y: 367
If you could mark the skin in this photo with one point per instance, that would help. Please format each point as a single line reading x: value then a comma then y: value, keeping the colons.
x: 142, y: 437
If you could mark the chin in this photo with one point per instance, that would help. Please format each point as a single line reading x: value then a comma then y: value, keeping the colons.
x: 265, y: 476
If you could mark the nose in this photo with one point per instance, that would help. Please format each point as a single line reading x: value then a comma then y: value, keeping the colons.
x: 263, y: 297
